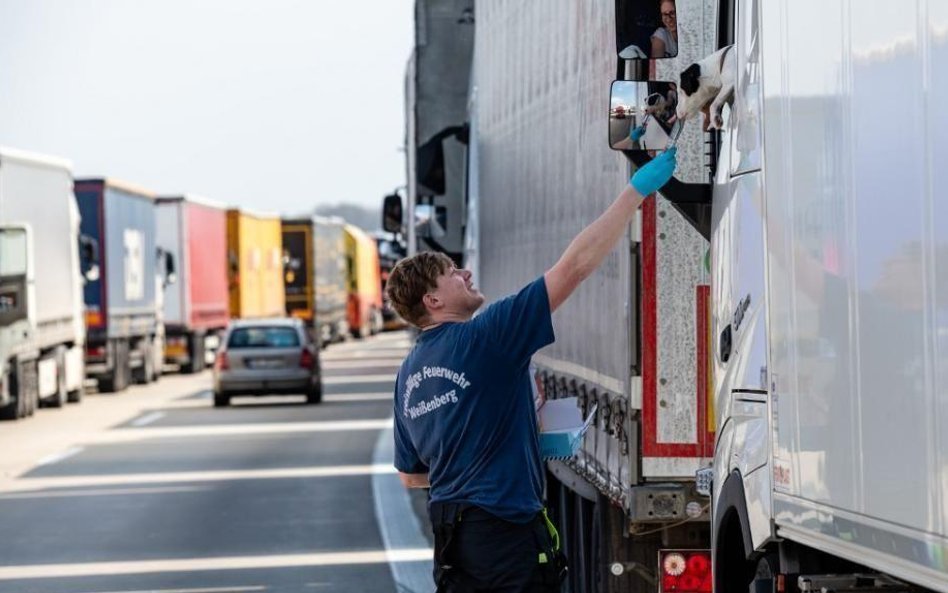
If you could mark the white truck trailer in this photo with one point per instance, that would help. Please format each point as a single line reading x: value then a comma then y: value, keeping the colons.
x: 829, y: 298
x: 42, y: 333
x: 632, y: 341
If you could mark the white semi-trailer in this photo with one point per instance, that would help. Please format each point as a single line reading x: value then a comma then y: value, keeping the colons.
x: 829, y: 267
x: 631, y: 342
x: 42, y: 333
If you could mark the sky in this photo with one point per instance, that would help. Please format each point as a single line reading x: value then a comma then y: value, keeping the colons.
x: 272, y: 105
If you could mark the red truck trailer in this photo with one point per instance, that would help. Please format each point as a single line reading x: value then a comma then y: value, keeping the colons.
x: 196, y: 308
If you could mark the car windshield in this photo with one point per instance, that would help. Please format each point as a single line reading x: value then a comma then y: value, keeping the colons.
x: 263, y: 337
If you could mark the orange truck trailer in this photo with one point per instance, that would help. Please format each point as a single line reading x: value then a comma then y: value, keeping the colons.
x: 364, y: 283
x: 254, y: 264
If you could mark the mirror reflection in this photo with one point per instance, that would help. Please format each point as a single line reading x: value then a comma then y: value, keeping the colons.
x: 642, y: 115
x: 646, y: 29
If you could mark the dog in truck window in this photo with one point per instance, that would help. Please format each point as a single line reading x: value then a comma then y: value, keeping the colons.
x: 707, y: 84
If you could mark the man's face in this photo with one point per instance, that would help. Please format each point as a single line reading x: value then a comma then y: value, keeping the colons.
x: 456, y: 293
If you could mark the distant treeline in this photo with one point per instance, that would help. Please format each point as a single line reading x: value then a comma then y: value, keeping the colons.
x: 363, y: 217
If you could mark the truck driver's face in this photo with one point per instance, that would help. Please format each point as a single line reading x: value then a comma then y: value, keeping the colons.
x: 457, y: 292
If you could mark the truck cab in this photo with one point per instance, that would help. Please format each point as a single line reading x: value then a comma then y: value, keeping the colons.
x: 17, y: 327
x: 825, y: 303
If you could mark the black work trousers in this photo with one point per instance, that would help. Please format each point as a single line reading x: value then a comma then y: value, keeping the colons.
x: 480, y: 553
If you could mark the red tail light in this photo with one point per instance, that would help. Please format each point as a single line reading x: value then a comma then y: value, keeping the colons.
x: 685, y: 571
x: 221, y: 362
x: 307, y: 361
x: 95, y: 351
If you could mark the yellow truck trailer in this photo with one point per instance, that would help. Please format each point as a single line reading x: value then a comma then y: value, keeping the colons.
x: 364, y: 282
x: 254, y: 264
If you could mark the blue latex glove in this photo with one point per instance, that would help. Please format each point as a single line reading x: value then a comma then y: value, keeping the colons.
x: 655, y: 173
x: 637, y: 133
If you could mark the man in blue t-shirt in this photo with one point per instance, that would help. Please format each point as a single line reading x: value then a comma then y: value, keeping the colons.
x: 465, y: 424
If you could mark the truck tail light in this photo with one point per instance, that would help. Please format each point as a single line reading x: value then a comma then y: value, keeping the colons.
x: 307, y: 361
x: 221, y: 362
x: 685, y: 571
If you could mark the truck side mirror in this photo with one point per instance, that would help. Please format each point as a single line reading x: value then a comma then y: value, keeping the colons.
x: 89, y: 258
x: 392, y: 215
x: 642, y: 115
x: 170, y: 276
x: 646, y: 30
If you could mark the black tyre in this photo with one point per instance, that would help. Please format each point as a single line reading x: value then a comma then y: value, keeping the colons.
x: 315, y: 394
x: 221, y: 400
x: 74, y: 397
x: 118, y: 379
x: 145, y: 374
x: 196, y: 362
x: 9, y: 412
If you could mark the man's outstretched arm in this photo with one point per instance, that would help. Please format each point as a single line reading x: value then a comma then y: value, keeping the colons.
x: 591, y: 246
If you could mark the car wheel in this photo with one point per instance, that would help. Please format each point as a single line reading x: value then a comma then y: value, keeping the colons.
x: 315, y: 394
x: 221, y: 400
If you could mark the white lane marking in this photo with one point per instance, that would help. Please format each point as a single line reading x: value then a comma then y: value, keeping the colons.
x: 148, y: 419
x: 362, y: 363
x: 121, y: 435
x: 398, y: 525
x: 203, y: 590
x: 181, y: 404
x: 346, y: 379
x: 39, y: 484
x: 57, y: 457
x: 358, y: 397
x: 102, y: 492
x: 86, y: 569
x: 379, y: 353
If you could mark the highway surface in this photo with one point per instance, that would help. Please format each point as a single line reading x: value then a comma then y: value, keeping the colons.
x: 155, y: 490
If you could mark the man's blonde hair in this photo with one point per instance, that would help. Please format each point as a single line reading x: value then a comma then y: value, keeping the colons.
x: 411, y: 279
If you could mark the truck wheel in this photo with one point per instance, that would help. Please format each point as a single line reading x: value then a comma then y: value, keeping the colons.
x: 221, y: 400
x: 117, y: 379
x: 9, y: 412
x: 146, y: 373
x: 315, y: 394
x: 59, y: 400
x: 74, y: 397
x: 196, y: 361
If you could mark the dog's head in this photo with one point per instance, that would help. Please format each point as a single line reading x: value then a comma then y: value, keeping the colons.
x: 693, y: 92
x: 655, y: 104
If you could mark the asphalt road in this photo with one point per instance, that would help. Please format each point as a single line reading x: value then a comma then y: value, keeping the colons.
x: 155, y: 490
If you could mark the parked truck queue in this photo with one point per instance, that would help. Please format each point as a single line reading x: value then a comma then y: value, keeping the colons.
x: 761, y: 360
x: 104, y: 283
x: 761, y: 355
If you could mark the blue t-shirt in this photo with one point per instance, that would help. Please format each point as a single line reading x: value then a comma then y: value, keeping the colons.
x: 464, y: 409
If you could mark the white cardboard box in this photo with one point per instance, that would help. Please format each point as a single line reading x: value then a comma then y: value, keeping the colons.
x: 562, y: 428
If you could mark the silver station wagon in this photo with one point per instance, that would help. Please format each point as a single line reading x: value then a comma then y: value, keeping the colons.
x: 267, y: 357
